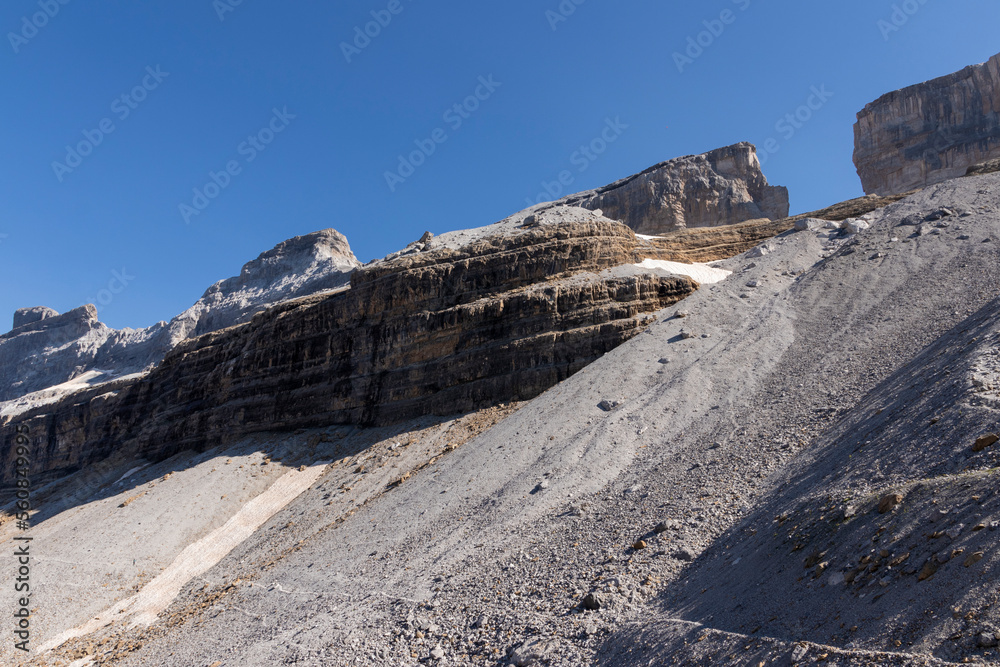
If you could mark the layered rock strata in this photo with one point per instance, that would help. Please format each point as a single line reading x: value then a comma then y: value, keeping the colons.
x: 46, y: 349
x: 721, y: 187
x: 929, y: 132
x: 442, y: 331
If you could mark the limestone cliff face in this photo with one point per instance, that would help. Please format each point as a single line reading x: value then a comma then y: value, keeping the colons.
x: 929, y: 132
x: 721, y: 187
x: 502, y: 318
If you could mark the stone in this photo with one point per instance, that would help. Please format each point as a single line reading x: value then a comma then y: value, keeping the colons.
x: 437, y: 653
x: 722, y: 187
x: 591, y: 602
x: 759, y: 251
x: 973, y: 558
x: 426, y: 238
x: 608, y: 406
x: 534, y: 652
x: 985, y: 441
x: 663, y: 360
x: 639, y: 545
x: 938, y: 214
x: 929, y: 132
x: 809, y: 224
x: 938, y: 515
x: 661, y: 528
x: 799, y: 653
x: 889, y: 502
x: 987, y: 639
x: 832, y: 224
x: 930, y: 567
x: 954, y: 531
x: 853, y: 226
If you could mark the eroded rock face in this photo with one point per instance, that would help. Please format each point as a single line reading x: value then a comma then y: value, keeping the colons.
x: 24, y: 316
x: 46, y: 349
x: 436, y: 332
x: 929, y: 132
x: 721, y: 187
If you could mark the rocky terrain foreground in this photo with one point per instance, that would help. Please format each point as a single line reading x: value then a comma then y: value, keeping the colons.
x: 781, y: 469
x: 655, y: 423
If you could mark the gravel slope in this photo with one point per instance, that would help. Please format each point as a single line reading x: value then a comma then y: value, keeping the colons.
x: 711, y: 423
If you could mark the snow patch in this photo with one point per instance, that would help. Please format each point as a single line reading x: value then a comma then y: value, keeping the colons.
x: 702, y: 273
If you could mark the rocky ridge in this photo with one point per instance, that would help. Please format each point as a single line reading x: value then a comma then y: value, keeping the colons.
x: 45, y: 349
x: 438, y: 332
x: 721, y: 187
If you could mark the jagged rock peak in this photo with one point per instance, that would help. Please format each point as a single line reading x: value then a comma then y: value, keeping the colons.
x: 722, y: 187
x: 23, y: 316
x: 929, y: 132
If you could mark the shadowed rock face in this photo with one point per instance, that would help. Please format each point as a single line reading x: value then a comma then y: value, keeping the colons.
x: 930, y: 132
x: 437, y: 332
x: 721, y: 187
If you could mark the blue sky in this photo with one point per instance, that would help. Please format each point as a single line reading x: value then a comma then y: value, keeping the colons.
x: 165, y: 94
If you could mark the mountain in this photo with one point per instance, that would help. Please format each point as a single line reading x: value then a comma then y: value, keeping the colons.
x: 60, y: 353
x: 554, y: 441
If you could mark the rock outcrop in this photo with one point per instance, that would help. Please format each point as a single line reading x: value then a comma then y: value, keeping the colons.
x: 721, y: 187
x: 46, y: 349
x: 25, y: 316
x: 436, y: 332
x: 929, y: 132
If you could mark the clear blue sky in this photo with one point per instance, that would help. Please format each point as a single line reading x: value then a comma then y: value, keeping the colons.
x: 221, y: 79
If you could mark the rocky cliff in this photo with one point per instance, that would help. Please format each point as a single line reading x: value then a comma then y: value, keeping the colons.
x: 721, y: 187
x: 441, y: 331
x: 46, y: 349
x: 929, y: 132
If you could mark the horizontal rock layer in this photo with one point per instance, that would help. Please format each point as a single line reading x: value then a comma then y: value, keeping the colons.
x: 929, y: 132
x: 437, y: 332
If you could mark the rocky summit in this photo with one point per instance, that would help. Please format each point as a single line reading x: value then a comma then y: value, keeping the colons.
x: 660, y: 422
x: 721, y: 187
